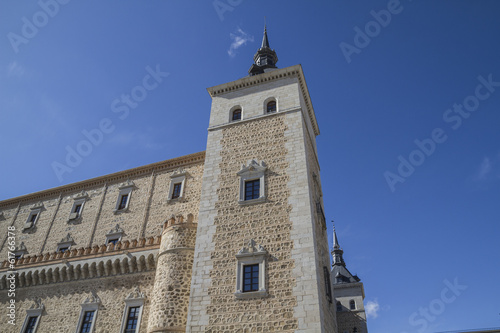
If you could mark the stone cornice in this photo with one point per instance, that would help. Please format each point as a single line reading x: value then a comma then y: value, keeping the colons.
x: 111, y: 178
x: 249, y: 81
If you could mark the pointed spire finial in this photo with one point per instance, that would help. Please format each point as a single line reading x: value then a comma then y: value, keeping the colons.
x: 265, y: 59
x: 335, y: 240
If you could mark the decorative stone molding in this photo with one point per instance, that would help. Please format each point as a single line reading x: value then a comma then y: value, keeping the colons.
x: 254, y: 170
x: 37, y: 305
x: 38, y: 205
x: 134, y: 299
x: 126, y: 184
x: 125, y: 190
x: 177, y: 177
x: 136, y: 294
x: 251, y: 250
x: 81, y: 195
x: 35, y: 310
x: 115, y: 233
x: 251, y: 255
x: 20, y: 250
x: 66, y: 242
x: 92, y: 299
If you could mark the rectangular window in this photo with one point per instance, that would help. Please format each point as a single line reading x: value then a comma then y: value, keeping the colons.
x: 63, y: 249
x: 77, y: 208
x: 177, y: 190
x: 88, y: 318
x: 113, y: 241
x: 31, y: 325
x: 123, y: 202
x: 132, y: 319
x: 250, y: 278
x: 33, y: 217
x: 252, y: 189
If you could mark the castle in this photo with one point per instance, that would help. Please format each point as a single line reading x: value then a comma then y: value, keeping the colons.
x: 232, y: 239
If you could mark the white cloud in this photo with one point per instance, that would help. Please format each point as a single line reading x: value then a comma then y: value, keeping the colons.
x: 372, y: 308
x: 14, y: 69
x: 489, y: 169
x: 238, y: 38
x: 484, y: 169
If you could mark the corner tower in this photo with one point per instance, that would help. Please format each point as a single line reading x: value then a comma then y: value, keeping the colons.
x: 349, y: 294
x: 261, y: 259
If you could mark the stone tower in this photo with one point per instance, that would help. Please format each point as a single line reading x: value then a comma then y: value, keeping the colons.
x: 349, y: 294
x: 261, y: 260
x: 170, y: 294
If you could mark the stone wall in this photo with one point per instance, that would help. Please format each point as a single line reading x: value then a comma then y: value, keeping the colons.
x: 62, y: 303
x: 148, y: 207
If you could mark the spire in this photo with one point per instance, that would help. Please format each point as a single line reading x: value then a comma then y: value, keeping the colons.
x: 337, y: 252
x: 335, y: 240
x: 265, y: 59
x: 339, y: 270
x: 265, y: 41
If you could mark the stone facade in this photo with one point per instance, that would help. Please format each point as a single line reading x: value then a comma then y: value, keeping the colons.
x: 172, y: 242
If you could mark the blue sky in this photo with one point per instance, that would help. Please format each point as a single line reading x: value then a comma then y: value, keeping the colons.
x: 407, y: 97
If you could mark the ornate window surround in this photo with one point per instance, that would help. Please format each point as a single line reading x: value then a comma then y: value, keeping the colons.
x: 253, y: 171
x: 115, y: 233
x: 135, y: 298
x: 178, y: 176
x: 35, y: 310
x: 66, y: 242
x: 79, y: 199
x: 125, y: 189
x: 249, y: 256
x: 36, y: 209
x: 91, y: 303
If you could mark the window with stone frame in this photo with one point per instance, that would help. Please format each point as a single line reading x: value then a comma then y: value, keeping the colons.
x: 65, y: 244
x: 124, y: 195
x: 131, y: 320
x: 251, y: 271
x: 177, y: 187
x: 33, y: 317
x: 252, y: 183
x: 78, y: 204
x: 114, y: 235
x: 88, y: 314
x: 352, y: 304
x: 33, y: 217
